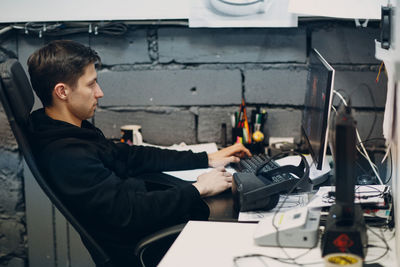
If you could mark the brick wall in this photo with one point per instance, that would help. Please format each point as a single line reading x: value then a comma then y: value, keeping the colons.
x: 181, y: 84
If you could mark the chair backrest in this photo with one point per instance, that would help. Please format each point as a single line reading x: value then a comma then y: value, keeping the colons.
x: 17, y: 97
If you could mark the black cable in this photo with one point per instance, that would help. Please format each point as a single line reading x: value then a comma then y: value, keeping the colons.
x: 387, y: 180
x: 330, y: 196
x: 61, y: 29
x: 389, y: 177
x: 387, y: 248
x: 371, y: 139
x: 373, y: 103
x: 289, y: 260
x: 283, y: 260
x: 301, y: 180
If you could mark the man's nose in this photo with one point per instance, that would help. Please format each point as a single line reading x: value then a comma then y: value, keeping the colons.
x: 99, y: 92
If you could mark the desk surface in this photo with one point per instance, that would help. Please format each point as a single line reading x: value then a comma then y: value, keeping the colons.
x: 217, y: 243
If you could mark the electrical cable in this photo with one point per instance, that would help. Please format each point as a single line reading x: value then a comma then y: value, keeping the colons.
x: 360, y: 142
x: 389, y: 177
x: 5, y: 29
x: 387, y: 248
x: 372, y: 127
x: 362, y: 153
x: 61, y: 29
x: 390, y: 156
x: 373, y: 103
x: 382, y: 66
x: 301, y: 180
x: 288, y: 259
x: 282, y: 260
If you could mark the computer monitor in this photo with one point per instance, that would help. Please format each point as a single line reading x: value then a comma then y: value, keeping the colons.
x: 317, y: 106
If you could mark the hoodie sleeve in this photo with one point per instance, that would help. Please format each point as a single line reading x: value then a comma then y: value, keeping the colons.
x: 142, y: 159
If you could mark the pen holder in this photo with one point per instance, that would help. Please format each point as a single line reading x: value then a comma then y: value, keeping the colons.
x: 236, y: 132
x: 256, y: 148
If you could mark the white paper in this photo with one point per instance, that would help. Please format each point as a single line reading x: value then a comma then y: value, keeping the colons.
x: 206, y: 147
x: 373, y: 194
x: 293, y: 201
x: 348, y: 9
x: 273, y: 13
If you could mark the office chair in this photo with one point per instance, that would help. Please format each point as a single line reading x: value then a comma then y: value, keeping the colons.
x: 16, y: 94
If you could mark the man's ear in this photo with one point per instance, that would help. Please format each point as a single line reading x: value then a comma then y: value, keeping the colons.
x: 61, y: 91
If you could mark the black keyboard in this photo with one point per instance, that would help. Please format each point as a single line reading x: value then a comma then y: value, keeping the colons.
x: 250, y: 165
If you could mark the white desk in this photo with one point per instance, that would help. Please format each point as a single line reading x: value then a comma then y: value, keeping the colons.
x: 207, y: 244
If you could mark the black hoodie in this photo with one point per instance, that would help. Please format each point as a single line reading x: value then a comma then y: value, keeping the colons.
x: 95, y: 177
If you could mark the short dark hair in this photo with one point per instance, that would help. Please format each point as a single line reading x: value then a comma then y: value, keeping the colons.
x: 58, y: 61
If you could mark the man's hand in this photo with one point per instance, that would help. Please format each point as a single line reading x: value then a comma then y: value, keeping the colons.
x: 213, y: 182
x: 227, y: 155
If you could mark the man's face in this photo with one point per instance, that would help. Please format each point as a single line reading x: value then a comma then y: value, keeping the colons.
x: 83, y: 99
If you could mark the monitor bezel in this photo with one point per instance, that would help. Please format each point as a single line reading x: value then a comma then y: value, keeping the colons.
x: 321, y: 157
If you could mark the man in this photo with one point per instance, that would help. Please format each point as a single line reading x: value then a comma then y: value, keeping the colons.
x: 114, y: 189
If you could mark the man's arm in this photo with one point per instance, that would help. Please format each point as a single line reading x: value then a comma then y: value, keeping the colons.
x: 142, y: 159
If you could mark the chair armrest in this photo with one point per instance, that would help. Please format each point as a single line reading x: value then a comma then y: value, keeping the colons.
x: 158, y: 242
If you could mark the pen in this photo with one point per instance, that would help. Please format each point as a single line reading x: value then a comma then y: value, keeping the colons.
x: 233, y: 120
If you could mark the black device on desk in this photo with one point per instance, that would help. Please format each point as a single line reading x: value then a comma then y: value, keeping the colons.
x: 260, y: 180
x: 345, y: 229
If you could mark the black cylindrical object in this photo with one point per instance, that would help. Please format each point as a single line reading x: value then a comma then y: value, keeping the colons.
x: 345, y: 158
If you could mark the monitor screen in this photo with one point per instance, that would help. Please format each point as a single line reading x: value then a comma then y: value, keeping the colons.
x: 317, y: 106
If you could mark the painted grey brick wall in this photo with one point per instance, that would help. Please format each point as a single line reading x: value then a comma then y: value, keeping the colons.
x: 12, y: 209
x: 365, y: 122
x: 170, y: 87
x: 12, y: 241
x: 278, y: 86
x: 345, y: 45
x: 11, y: 189
x: 231, y: 45
x: 26, y: 46
x: 281, y: 122
x: 163, y: 126
x: 359, y: 84
x: 7, y: 139
x: 132, y: 48
x: 210, y: 122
